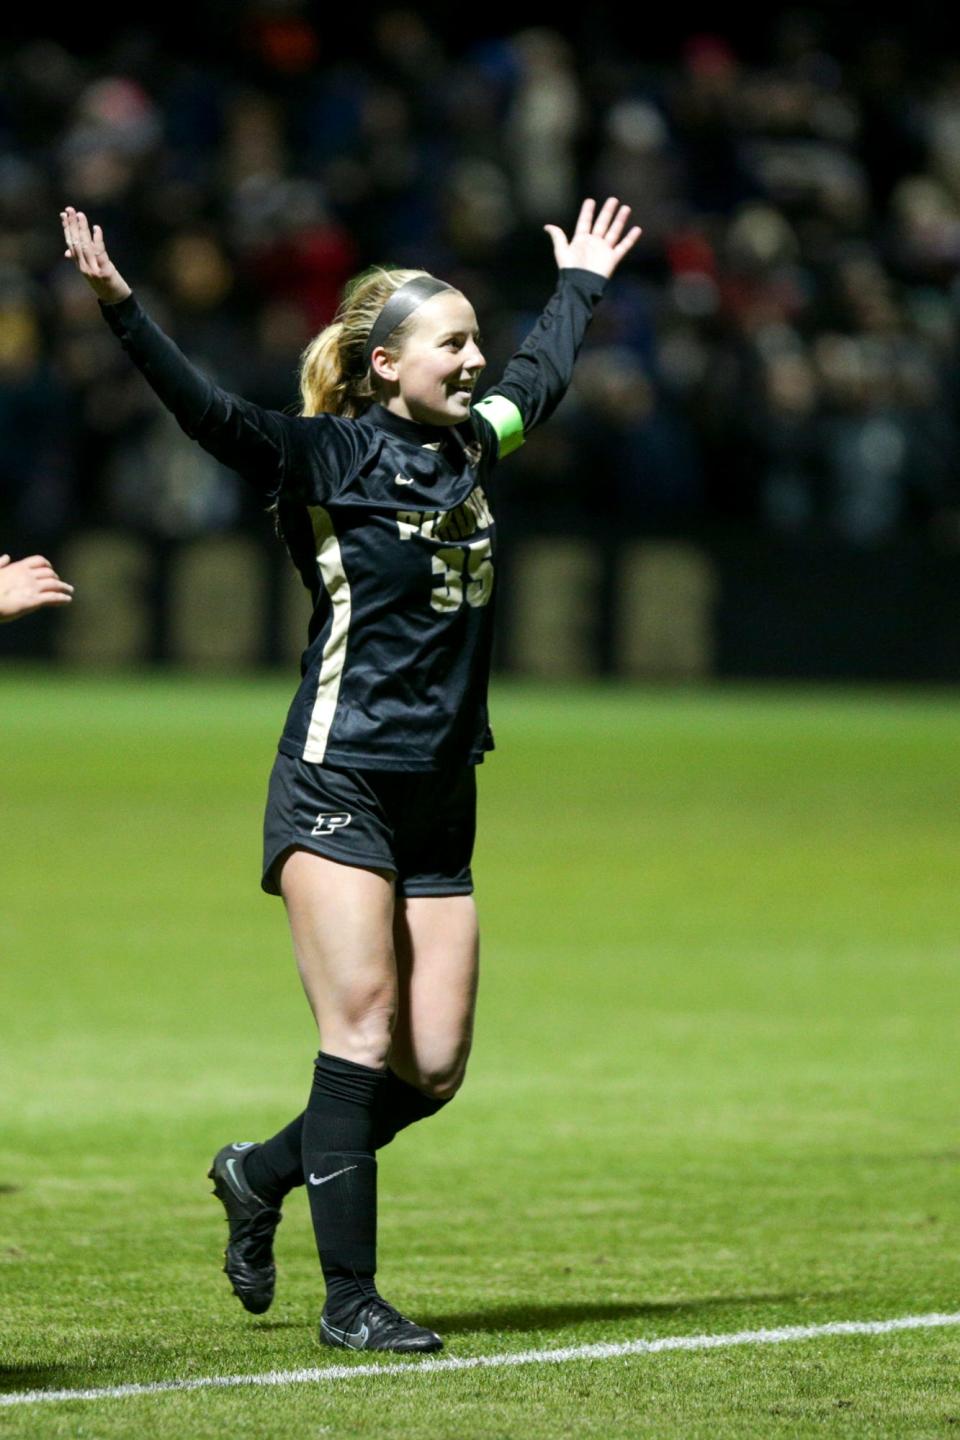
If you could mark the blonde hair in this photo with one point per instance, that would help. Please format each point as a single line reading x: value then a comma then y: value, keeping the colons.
x: 333, y: 377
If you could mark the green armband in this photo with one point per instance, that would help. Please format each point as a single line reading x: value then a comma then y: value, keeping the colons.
x: 506, y: 420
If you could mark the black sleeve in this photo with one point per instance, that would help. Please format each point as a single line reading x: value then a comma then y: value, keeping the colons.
x: 537, y: 376
x: 271, y: 450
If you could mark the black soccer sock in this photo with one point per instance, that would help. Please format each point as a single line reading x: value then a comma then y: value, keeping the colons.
x: 399, y: 1105
x: 276, y: 1167
x: 341, y: 1173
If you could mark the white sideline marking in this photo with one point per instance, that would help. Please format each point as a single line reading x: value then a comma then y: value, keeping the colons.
x: 430, y: 1366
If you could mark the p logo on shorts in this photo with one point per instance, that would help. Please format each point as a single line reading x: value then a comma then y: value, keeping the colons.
x: 330, y: 824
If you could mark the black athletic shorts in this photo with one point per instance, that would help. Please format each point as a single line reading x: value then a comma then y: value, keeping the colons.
x: 418, y: 824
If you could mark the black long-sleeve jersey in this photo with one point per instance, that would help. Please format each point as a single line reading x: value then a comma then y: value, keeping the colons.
x: 389, y: 523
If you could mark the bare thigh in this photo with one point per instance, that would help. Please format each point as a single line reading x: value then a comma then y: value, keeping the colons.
x: 437, y: 954
x: 341, y: 920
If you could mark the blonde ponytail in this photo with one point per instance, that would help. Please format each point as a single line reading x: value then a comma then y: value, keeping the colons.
x: 333, y: 377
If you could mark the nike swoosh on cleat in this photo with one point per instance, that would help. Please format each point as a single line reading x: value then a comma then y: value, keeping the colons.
x: 322, y: 1179
x: 355, y: 1339
x: 235, y: 1180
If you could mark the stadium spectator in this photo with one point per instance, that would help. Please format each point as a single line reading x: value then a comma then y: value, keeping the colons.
x: 798, y: 199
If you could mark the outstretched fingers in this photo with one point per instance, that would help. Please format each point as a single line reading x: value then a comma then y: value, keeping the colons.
x: 627, y: 243
x: 81, y: 245
x: 609, y: 227
x: 42, y: 573
x: 71, y: 233
x: 602, y: 223
x: 585, y: 218
x: 83, y: 240
x: 86, y: 248
x: 615, y: 229
x: 28, y: 585
x: 55, y: 592
x: 69, y: 218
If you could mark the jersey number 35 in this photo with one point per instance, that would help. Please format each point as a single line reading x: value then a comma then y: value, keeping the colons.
x: 462, y: 572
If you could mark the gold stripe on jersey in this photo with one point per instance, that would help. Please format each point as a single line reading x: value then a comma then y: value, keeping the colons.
x: 334, y: 578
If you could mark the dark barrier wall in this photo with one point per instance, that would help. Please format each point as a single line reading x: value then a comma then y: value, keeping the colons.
x: 569, y: 606
x: 830, y: 614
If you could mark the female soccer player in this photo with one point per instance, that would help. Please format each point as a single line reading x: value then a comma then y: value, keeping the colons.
x: 381, y: 494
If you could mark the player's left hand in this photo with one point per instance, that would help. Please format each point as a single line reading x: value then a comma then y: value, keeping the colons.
x: 596, y: 243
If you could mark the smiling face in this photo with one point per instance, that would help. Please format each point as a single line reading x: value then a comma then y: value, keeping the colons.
x: 432, y: 376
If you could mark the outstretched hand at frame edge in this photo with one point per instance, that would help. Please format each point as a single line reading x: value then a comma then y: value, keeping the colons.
x: 88, y: 252
x: 598, y: 242
x: 26, y: 585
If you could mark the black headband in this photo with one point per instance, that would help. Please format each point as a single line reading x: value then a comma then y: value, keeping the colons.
x: 402, y: 302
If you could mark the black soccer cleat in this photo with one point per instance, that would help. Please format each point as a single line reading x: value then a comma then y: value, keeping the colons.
x: 248, y: 1258
x: 377, y: 1326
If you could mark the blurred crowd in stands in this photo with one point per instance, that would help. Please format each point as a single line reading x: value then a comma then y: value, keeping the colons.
x: 780, y: 352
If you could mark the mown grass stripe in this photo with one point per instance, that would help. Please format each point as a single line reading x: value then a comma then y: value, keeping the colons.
x: 429, y: 1366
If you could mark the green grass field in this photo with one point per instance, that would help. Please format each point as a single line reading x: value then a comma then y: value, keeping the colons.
x: 715, y: 1085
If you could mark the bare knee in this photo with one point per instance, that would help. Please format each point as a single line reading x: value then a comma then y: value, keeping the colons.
x: 444, y: 1088
x: 441, y: 1081
x: 362, y: 1034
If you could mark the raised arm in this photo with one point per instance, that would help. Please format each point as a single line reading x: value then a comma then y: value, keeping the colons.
x: 244, y: 436
x: 536, y: 378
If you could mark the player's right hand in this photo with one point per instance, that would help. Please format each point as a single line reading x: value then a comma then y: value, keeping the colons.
x: 89, y: 254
